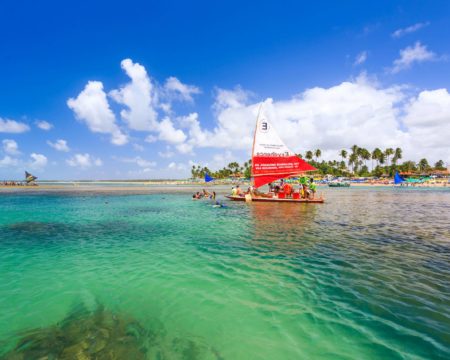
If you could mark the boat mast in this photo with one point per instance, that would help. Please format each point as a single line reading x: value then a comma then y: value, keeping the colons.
x: 254, y: 138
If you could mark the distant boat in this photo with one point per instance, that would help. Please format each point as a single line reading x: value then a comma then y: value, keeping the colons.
x: 273, y: 160
x: 30, y: 178
x: 339, y: 184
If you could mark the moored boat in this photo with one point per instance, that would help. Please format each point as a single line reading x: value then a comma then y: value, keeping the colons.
x: 276, y: 199
x: 339, y: 184
x: 273, y: 160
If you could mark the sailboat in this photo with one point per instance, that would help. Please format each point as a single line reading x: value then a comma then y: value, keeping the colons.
x: 273, y: 160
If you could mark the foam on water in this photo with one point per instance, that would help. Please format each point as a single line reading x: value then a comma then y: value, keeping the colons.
x: 364, y: 276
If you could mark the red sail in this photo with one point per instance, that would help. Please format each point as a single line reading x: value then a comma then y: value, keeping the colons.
x: 271, y: 158
x: 268, y: 169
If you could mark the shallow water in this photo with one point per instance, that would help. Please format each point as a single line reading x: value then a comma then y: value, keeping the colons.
x: 364, y: 276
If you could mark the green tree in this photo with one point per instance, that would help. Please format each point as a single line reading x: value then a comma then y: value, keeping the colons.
x: 309, y: 155
x: 317, y: 154
x: 397, y: 155
x: 376, y: 155
x: 343, y: 154
x: 439, y: 165
x: 423, y: 165
x: 388, y: 152
x: 364, y: 154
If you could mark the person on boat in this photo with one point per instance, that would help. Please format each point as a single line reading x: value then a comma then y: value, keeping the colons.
x: 287, y: 188
x: 233, y: 191
x: 271, y: 187
x: 312, y: 187
x: 238, y: 191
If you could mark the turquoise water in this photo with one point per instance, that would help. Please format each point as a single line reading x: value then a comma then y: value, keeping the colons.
x: 364, y: 276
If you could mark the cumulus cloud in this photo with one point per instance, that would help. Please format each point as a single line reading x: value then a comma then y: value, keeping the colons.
x: 138, y: 96
x: 177, y: 166
x: 412, y: 54
x: 150, y: 138
x: 12, y: 126
x: 10, y: 147
x: 359, y: 111
x: 38, y: 161
x: 167, y: 132
x: 234, y: 98
x: 166, y: 154
x: 427, y: 118
x: 92, y: 108
x: 360, y: 58
x: 138, y: 147
x: 179, y: 91
x: 59, y: 145
x: 408, y: 30
x: 44, y: 125
x: 138, y: 161
x: 84, y: 161
x: 8, y: 161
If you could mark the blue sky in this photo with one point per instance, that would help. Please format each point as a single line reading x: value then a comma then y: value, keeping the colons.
x: 332, y: 74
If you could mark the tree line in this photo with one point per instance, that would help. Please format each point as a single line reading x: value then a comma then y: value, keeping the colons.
x: 353, y: 162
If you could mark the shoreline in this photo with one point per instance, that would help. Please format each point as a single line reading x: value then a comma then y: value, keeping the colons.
x: 170, y: 187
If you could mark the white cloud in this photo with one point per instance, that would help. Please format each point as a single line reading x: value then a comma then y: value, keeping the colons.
x: 84, y: 161
x: 412, y: 54
x: 8, y: 161
x: 166, y: 154
x: 167, y: 132
x: 138, y: 147
x: 179, y: 91
x: 12, y: 126
x: 138, y: 161
x: 59, y: 145
x: 231, y: 98
x: 139, y: 96
x: 38, y: 161
x: 91, y: 107
x: 10, y: 147
x: 361, y: 58
x: 427, y: 118
x: 359, y: 112
x: 151, y: 139
x: 410, y: 29
x: 44, y: 125
x: 177, y: 166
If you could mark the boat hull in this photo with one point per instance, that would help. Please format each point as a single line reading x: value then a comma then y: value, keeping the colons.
x: 276, y: 200
x: 345, y: 185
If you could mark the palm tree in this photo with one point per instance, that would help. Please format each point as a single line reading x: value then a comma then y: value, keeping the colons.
x: 376, y: 155
x: 439, y: 165
x: 309, y: 155
x: 317, y: 154
x: 388, y: 152
x: 364, y: 154
x: 343, y: 154
x: 353, y: 161
x: 397, y: 155
x: 423, y: 165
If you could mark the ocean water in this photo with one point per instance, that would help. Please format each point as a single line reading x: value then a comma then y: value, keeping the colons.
x: 364, y: 276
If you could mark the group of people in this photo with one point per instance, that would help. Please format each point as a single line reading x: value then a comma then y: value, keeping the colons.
x: 307, y: 189
x: 17, y: 183
x: 204, y: 194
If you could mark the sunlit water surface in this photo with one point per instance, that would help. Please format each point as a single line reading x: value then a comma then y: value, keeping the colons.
x: 364, y: 276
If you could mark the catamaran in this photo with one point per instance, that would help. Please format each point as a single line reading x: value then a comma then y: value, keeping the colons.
x: 273, y: 160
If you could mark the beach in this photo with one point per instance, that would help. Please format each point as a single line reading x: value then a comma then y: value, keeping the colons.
x: 352, y: 278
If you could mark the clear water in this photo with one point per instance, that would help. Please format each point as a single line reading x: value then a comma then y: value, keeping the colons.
x: 364, y: 276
